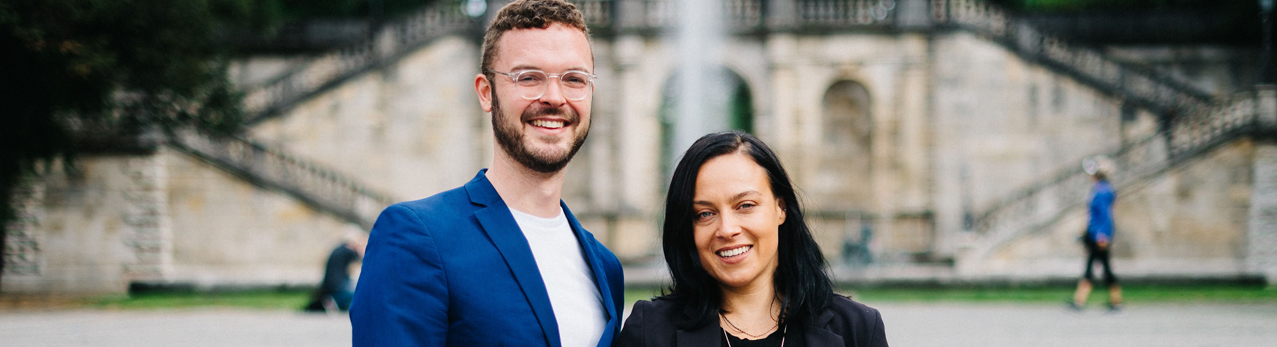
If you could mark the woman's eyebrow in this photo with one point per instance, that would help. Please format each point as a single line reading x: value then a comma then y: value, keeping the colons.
x: 738, y: 196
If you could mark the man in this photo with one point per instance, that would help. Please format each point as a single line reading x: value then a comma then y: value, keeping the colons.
x: 1098, y: 238
x: 501, y: 261
x: 336, y: 290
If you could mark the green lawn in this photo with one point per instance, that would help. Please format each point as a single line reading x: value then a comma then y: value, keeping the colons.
x: 264, y: 300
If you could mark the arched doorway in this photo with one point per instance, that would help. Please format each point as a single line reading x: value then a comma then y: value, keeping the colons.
x: 724, y: 102
x: 843, y: 179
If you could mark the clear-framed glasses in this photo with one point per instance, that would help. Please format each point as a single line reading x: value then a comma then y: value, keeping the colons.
x: 575, y: 85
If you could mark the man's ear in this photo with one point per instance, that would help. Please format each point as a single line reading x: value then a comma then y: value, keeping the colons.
x: 483, y: 87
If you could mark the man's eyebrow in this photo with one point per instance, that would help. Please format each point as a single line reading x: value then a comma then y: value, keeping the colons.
x: 531, y: 67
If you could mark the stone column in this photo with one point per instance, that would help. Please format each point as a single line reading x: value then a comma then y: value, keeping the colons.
x: 781, y: 133
x: 23, y: 253
x: 1261, y: 255
x: 913, y: 14
x: 782, y: 15
x: 638, y: 149
x: 1266, y: 98
x: 629, y: 15
x: 149, y: 231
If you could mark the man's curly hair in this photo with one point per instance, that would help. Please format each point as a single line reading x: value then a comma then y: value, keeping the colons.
x: 527, y: 14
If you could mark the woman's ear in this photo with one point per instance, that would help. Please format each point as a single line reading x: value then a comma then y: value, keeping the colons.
x: 780, y: 204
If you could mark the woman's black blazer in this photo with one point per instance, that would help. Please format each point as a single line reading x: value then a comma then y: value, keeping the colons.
x: 843, y: 323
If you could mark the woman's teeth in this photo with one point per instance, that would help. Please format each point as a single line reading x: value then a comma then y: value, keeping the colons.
x: 734, y: 252
x: 552, y: 124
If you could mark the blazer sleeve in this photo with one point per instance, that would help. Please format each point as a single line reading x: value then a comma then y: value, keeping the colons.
x: 633, y: 333
x: 878, y: 332
x: 402, y: 297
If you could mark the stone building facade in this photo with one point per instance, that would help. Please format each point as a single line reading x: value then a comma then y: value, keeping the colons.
x: 898, y: 134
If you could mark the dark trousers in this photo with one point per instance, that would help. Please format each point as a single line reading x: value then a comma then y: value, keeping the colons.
x: 1093, y: 254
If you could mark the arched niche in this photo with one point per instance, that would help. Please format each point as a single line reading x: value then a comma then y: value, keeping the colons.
x: 843, y: 180
x: 727, y: 104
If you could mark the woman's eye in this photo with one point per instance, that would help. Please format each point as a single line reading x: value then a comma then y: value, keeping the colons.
x: 704, y: 215
x: 747, y: 205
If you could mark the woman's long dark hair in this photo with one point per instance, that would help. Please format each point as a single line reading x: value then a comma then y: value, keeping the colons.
x: 800, y: 279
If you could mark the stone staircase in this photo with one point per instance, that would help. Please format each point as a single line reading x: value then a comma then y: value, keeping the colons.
x: 1193, y: 122
x: 319, y: 187
x: 308, y: 182
x: 1196, y: 122
x: 1037, y: 207
x: 331, y: 69
x: 1147, y: 89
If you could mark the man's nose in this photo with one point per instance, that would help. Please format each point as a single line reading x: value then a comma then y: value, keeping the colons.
x: 553, y: 95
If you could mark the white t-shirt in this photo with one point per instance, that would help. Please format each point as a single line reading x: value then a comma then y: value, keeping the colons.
x: 578, y: 307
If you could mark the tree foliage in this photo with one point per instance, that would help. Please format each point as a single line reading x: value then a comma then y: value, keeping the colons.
x: 77, y: 68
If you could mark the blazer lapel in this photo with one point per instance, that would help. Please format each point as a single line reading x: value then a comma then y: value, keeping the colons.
x: 600, y: 277
x: 505, y: 234
x: 817, y: 334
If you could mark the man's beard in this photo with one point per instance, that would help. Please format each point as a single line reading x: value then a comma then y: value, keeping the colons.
x: 510, y: 137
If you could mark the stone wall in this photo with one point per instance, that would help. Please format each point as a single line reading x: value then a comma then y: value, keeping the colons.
x: 1002, y: 123
x: 1189, y: 222
x: 1261, y: 236
x: 226, y: 231
x: 163, y: 218
x: 958, y: 122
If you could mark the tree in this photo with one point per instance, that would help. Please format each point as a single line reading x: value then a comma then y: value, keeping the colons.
x: 120, y: 67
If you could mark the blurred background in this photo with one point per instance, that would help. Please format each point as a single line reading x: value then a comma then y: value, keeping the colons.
x: 163, y: 155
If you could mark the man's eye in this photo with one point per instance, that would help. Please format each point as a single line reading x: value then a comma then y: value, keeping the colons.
x: 574, y: 80
x: 530, y: 78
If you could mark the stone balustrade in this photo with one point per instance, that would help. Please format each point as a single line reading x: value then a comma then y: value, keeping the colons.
x: 314, y: 185
x: 1189, y: 135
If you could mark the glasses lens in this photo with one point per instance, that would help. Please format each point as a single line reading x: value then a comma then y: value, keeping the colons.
x: 531, y: 83
x: 576, y: 85
x: 530, y: 78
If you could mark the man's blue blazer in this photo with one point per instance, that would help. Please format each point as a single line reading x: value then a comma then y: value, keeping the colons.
x: 454, y: 269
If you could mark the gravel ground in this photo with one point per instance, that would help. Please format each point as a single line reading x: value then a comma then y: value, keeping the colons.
x: 908, y: 324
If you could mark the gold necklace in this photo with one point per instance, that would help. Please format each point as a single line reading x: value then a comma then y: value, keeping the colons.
x: 782, y: 336
x: 729, y: 323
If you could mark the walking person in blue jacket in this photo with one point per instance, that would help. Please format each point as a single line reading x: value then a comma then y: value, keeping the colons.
x: 1099, y: 235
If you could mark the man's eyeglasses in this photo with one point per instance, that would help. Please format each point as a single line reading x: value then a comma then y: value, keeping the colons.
x: 575, y: 85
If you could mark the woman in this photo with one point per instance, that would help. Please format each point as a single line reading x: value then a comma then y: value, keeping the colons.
x: 1098, y: 238
x: 744, y: 266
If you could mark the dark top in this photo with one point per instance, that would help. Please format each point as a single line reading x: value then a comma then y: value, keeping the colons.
x: 336, y: 271
x: 843, y: 323
x: 775, y: 339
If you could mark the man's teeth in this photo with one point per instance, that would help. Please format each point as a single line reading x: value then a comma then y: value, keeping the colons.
x: 552, y: 124
x: 734, y: 252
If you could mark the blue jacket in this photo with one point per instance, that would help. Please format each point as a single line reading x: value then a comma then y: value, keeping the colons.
x: 454, y: 269
x: 1101, y: 210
